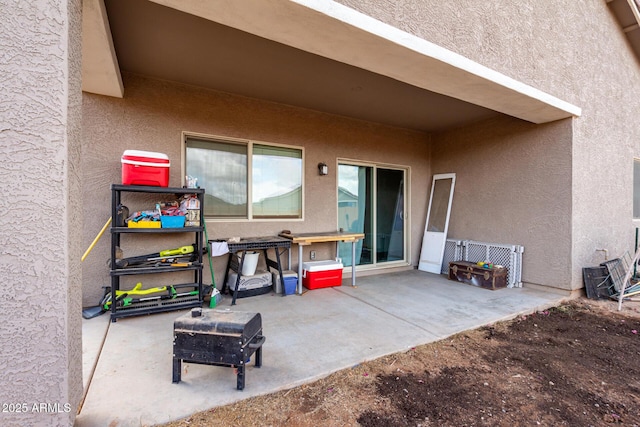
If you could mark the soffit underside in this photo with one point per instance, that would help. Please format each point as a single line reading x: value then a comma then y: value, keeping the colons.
x: 161, y: 42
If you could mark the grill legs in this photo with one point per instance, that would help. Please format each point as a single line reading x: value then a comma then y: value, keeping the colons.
x: 241, y: 369
x: 177, y: 367
x: 240, y: 377
x: 177, y: 370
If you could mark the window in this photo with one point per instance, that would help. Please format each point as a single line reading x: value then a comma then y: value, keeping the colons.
x: 636, y: 188
x: 234, y: 172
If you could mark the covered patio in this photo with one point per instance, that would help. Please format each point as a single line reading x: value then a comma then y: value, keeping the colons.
x: 127, y: 366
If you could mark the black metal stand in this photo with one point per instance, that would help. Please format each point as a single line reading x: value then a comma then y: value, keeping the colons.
x: 279, y: 244
x: 206, y: 360
x: 161, y: 303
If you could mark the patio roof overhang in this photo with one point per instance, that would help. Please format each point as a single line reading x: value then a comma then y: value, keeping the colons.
x: 309, y: 53
x: 627, y: 12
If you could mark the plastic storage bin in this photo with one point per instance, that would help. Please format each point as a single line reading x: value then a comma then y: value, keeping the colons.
x: 145, y: 168
x: 143, y: 224
x: 321, y: 274
x: 169, y: 221
x: 290, y: 282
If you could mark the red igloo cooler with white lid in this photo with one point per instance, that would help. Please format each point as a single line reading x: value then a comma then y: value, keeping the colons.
x: 145, y: 168
x: 321, y: 274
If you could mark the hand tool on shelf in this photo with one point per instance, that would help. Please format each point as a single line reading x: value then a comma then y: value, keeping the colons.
x: 127, y: 301
x: 124, y: 298
x: 178, y: 264
x: 137, y: 290
x: 182, y: 251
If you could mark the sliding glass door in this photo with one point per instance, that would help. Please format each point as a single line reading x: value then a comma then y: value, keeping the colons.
x: 371, y: 200
x: 355, y: 198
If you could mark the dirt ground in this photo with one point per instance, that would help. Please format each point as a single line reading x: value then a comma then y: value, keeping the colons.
x: 574, y: 365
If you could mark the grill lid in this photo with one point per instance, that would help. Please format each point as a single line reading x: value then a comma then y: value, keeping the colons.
x: 222, y: 322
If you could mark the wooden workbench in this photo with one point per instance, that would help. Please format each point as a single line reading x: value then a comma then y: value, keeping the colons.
x: 305, y: 239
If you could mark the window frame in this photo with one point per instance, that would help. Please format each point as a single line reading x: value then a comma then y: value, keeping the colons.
x: 249, y: 143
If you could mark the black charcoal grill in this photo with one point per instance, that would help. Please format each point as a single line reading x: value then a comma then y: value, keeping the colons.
x: 217, y: 337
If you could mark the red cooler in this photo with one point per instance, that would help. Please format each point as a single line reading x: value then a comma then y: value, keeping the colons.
x: 321, y: 274
x: 145, y: 168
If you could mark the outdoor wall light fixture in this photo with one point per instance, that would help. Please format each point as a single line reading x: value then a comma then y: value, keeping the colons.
x: 323, y: 169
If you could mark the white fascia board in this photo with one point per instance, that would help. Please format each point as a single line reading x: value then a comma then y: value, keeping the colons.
x: 633, y: 4
x: 100, y: 70
x: 332, y: 30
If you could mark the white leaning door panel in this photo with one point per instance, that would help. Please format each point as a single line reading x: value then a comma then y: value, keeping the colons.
x: 437, y: 224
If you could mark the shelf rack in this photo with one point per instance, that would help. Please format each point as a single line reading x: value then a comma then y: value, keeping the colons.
x: 175, y: 298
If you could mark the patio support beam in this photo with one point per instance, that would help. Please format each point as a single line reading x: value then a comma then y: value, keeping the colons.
x: 100, y: 70
x: 40, y: 147
x: 334, y: 31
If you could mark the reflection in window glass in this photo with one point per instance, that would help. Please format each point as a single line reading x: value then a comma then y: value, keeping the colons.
x: 277, y: 182
x: 355, y: 201
x: 389, y: 215
x: 221, y: 169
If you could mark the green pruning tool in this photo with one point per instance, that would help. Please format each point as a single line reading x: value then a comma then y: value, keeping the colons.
x: 124, y: 300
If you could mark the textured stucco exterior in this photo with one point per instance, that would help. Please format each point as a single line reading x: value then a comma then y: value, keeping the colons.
x: 40, y: 305
x: 152, y: 117
x: 562, y: 189
x: 577, y: 51
x: 513, y: 186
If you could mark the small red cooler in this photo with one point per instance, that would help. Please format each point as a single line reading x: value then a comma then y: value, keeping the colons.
x: 321, y: 274
x: 145, y: 168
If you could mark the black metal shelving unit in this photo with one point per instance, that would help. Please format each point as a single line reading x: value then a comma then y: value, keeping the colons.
x: 177, y: 301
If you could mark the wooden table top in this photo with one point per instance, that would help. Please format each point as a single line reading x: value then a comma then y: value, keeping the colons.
x: 329, y: 236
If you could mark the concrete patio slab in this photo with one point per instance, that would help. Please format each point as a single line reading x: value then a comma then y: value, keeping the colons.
x: 308, y: 337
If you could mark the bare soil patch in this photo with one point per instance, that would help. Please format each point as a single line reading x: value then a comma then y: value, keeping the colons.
x: 576, y: 365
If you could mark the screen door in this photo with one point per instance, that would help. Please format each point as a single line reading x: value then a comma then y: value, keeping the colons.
x: 435, y: 233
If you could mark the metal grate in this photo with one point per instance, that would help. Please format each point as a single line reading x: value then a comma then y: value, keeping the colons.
x: 597, y: 282
x: 618, y: 268
x: 509, y: 256
x: 452, y: 252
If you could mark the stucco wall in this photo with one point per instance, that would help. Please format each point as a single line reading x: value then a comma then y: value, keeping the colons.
x: 606, y: 138
x: 152, y: 116
x: 574, y: 50
x: 513, y: 186
x: 41, y: 364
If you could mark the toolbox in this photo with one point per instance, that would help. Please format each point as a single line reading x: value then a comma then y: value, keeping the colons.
x: 474, y: 274
x: 321, y: 274
x: 145, y: 168
x: 219, y: 338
